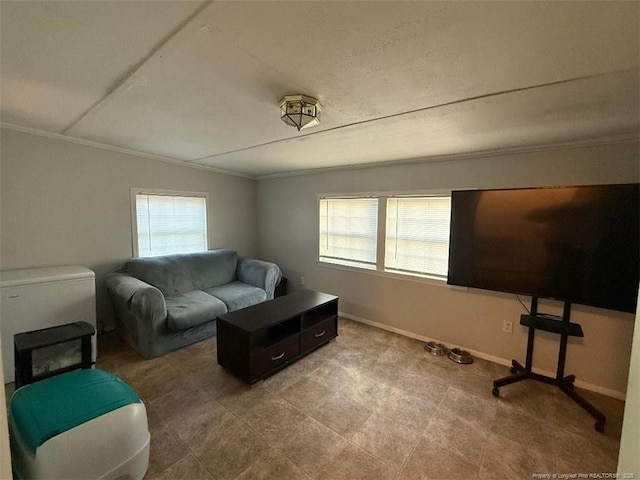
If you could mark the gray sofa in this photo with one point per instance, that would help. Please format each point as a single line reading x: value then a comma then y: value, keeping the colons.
x: 165, y: 303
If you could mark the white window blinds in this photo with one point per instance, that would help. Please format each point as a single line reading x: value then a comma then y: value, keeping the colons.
x: 348, y: 231
x: 417, y: 235
x: 169, y: 224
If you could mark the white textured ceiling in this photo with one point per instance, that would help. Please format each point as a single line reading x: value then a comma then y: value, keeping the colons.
x: 200, y: 81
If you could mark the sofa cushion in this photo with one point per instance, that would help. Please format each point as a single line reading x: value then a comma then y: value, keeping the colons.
x: 192, y: 308
x: 238, y: 295
x: 181, y: 273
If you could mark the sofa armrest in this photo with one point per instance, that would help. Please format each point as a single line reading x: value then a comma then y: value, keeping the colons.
x: 258, y: 273
x: 143, y: 301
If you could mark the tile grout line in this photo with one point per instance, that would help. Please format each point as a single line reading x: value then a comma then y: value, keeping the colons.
x: 361, y: 369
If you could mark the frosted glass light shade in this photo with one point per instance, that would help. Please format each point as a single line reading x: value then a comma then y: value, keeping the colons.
x: 300, y: 111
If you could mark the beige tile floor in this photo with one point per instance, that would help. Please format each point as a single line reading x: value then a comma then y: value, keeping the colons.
x: 370, y: 405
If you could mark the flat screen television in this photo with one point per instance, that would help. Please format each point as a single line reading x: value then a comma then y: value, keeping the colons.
x: 579, y: 244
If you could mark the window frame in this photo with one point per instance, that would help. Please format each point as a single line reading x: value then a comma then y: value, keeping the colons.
x: 343, y: 261
x: 134, y: 191
x: 380, y: 269
x: 414, y: 272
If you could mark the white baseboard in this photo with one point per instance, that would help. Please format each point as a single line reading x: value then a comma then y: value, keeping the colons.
x: 485, y: 356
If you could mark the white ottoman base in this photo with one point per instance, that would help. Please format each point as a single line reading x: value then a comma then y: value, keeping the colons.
x: 113, y: 446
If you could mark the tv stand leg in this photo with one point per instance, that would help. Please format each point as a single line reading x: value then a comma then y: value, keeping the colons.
x: 601, y: 420
x: 518, y: 373
x: 516, y: 367
x: 565, y: 383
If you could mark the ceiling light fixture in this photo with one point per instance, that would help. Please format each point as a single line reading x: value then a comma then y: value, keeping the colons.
x: 300, y: 111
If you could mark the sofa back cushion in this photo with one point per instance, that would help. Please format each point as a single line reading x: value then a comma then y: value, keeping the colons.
x: 185, y: 272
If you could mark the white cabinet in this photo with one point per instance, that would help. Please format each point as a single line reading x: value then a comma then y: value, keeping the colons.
x: 38, y: 298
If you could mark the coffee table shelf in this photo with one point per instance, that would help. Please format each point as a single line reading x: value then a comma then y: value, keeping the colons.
x: 260, y: 340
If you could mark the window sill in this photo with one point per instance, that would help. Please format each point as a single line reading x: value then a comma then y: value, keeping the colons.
x: 396, y: 276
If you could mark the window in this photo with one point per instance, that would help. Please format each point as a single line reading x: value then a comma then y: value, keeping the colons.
x: 169, y: 222
x: 348, y: 231
x: 406, y: 235
x: 417, y: 235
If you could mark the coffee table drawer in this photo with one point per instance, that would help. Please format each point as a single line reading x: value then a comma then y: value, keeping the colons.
x: 271, y: 357
x: 319, y: 334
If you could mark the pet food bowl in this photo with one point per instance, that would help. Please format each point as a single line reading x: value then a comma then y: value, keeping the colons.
x: 435, y: 348
x: 460, y: 356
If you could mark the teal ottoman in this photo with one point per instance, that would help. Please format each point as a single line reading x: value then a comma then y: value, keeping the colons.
x: 85, y: 424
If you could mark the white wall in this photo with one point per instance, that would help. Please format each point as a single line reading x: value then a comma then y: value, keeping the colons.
x: 628, y: 460
x: 288, y: 225
x: 64, y: 203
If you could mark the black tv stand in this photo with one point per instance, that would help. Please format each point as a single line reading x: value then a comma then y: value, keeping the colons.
x: 565, y: 329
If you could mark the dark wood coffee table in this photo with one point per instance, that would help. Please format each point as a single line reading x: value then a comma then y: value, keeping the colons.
x: 260, y: 340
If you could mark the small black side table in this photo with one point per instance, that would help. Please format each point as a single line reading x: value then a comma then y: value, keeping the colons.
x: 41, y: 354
x: 281, y: 288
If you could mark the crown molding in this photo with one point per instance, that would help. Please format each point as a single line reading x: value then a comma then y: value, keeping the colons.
x: 608, y: 140
x: 126, y: 151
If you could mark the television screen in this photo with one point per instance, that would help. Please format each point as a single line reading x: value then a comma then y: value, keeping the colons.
x: 579, y: 244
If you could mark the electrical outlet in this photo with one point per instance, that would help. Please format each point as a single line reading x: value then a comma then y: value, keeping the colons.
x: 302, y: 281
x: 507, y: 326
